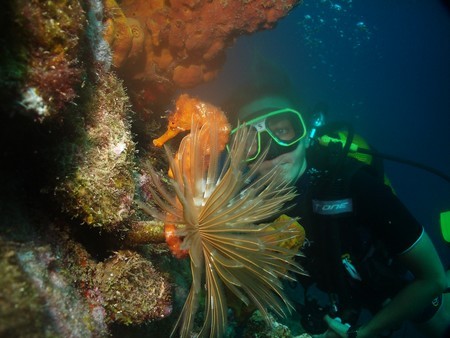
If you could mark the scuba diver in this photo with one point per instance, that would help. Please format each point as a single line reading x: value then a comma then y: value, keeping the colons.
x: 364, y: 249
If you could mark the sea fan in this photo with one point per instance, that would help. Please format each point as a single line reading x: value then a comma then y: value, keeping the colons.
x: 218, y: 207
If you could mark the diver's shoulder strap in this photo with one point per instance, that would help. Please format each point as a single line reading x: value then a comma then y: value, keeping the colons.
x: 334, y: 183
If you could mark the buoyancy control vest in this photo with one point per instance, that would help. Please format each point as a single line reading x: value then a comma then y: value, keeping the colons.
x: 341, y: 244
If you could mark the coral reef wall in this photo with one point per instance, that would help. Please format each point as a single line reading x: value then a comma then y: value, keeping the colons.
x: 160, y: 46
x: 82, y: 83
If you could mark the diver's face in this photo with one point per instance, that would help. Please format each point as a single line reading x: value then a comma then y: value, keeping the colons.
x: 293, y: 164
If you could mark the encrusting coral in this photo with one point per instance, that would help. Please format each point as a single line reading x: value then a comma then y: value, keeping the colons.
x: 45, y: 302
x: 57, y: 289
x: 218, y: 214
x: 51, y: 49
x: 133, y: 291
x: 100, y: 189
x: 257, y: 327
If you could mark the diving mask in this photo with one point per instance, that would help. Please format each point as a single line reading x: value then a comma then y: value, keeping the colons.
x: 278, y: 129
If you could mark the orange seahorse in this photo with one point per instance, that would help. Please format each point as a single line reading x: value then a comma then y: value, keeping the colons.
x: 191, y: 112
x: 188, y: 112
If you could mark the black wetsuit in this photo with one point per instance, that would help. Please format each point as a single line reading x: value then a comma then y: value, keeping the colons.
x: 368, y: 237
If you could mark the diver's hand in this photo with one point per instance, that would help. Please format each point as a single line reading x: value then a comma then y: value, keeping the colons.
x: 327, y: 334
x: 337, y: 329
x: 336, y: 326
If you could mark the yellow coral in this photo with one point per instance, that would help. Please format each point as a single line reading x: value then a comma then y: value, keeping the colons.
x: 295, y: 242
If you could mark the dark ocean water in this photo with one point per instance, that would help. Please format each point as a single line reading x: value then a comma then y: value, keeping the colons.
x: 383, y: 66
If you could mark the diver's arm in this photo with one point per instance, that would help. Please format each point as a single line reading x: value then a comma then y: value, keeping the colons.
x: 430, y: 281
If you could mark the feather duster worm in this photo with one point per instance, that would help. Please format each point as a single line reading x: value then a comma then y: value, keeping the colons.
x: 218, y: 207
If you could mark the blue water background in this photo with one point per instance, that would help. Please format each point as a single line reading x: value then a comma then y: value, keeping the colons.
x: 382, y: 65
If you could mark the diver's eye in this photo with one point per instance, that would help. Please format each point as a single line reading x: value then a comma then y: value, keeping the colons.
x: 281, y: 133
x: 282, y: 129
